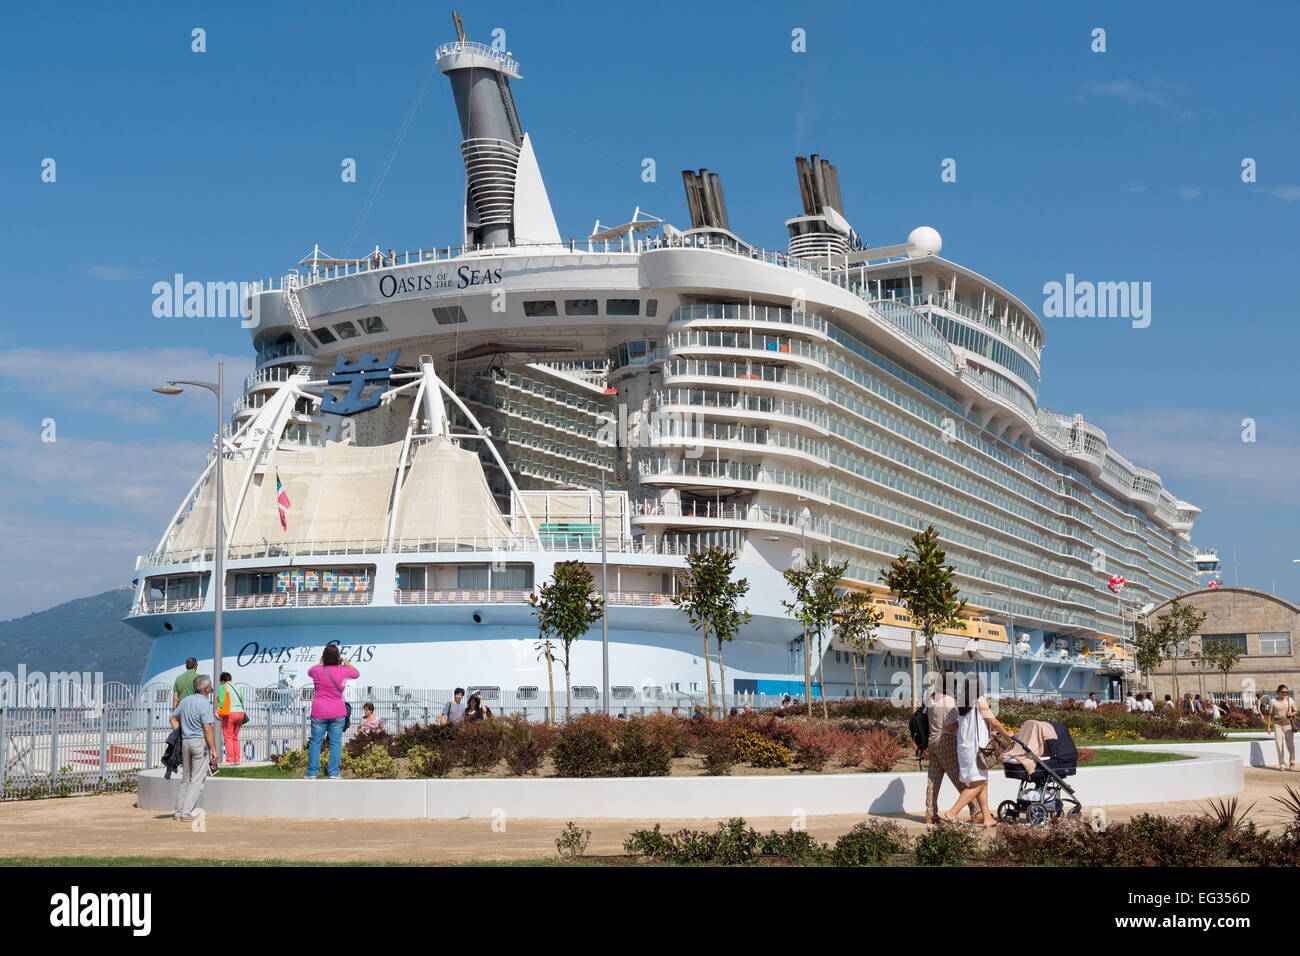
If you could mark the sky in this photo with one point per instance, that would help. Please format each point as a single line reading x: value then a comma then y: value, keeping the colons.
x: 1115, y: 164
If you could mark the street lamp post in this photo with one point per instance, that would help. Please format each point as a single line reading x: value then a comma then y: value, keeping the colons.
x: 217, y: 583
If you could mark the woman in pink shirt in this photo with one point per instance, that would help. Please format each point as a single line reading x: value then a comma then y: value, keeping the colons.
x: 328, y: 710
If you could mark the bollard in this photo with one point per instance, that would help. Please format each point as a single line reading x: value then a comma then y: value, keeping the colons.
x: 148, y: 737
x: 54, y: 740
x: 4, y: 750
x: 267, y: 713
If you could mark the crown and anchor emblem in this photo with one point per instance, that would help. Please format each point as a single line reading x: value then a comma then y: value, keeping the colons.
x: 367, y: 371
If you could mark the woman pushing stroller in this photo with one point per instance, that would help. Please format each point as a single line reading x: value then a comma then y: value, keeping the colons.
x: 974, y: 725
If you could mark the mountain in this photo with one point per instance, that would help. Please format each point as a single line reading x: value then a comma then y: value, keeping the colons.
x: 82, y: 635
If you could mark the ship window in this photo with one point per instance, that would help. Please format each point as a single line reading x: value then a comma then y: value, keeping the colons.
x: 651, y: 308
x: 622, y: 692
x: 539, y: 309
x: 449, y: 315
x: 526, y: 693
x: 585, y: 692
x: 652, y: 692
x: 411, y: 579
x: 346, y: 330
x: 254, y: 583
x: 487, y: 693
x: 513, y: 577
x: 581, y: 307
x: 373, y: 323
x: 622, y: 306
x: 325, y: 336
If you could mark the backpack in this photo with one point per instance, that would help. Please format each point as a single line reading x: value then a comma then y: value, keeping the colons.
x: 918, y: 727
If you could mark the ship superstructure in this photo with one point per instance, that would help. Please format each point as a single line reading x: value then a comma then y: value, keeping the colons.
x: 829, y: 397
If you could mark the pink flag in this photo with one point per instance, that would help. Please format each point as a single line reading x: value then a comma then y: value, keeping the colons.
x: 282, y: 499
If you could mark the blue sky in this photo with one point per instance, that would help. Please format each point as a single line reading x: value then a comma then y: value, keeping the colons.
x: 224, y: 165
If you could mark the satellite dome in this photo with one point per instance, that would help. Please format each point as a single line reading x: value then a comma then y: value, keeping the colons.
x: 924, y: 241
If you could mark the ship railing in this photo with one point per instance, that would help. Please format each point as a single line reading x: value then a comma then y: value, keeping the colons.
x: 461, y: 596
x: 239, y: 602
x: 508, y: 64
x: 727, y: 512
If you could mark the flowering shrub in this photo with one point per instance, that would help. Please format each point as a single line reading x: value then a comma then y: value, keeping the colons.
x: 584, y: 747
x: 758, y: 751
x: 373, y: 763
x: 640, y: 755
x: 669, y: 731
x: 719, y: 754
x: 482, y: 745
x: 295, y: 761
x: 733, y: 842
x: 526, y: 744
x: 945, y: 845
x: 1086, y: 754
x: 870, y: 844
x: 815, y: 747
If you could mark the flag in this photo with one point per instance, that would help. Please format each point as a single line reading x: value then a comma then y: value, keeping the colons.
x: 281, y: 499
x: 1213, y: 584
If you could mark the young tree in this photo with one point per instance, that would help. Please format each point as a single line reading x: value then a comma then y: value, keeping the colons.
x: 923, y: 583
x: 1222, y: 656
x: 856, y: 621
x: 1160, y: 642
x: 546, y: 649
x: 565, y: 609
x: 815, y: 584
x: 709, y: 598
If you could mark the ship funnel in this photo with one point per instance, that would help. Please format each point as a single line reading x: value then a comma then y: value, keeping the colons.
x: 822, y: 229
x: 704, y: 198
x: 505, y: 199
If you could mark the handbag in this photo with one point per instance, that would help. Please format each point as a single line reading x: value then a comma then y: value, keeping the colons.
x: 347, y: 708
x: 986, y: 757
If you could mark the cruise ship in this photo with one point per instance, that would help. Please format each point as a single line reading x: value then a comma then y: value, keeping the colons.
x: 427, y: 433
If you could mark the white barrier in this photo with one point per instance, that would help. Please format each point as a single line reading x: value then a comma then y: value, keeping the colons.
x: 1213, y: 774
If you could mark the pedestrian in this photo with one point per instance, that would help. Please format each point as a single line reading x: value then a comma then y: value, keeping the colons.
x: 454, y: 709
x: 974, y: 724
x: 1280, y: 712
x: 1091, y: 702
x: 1130, y: 703
x: 194, y: 718
x: 329, y: 712
x: 230, y: 708
x: 370, y: 724
x: 940, y: 708
x: 184, y: 685
x: 475, y: 709
x: 676, y: 712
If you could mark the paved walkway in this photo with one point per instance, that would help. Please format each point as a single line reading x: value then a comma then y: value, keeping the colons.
x: 111, y: 825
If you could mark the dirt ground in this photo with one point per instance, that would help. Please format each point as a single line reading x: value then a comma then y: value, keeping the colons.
x: 111, y: 825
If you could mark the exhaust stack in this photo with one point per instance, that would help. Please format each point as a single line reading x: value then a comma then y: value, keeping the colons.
x: 505, y: 199
x: 704, y: 198
x: 822, y: 230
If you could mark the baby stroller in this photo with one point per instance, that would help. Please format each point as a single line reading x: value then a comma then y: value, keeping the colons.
x: 1043, y: 792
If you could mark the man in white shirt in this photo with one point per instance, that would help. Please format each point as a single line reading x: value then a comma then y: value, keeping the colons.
x: 1091, y: 702
x: 1131, y: 704
x: 1148, y: 705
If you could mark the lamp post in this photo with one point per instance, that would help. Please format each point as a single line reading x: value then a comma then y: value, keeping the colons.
x: 217, y: 584
x: 1011, y: 636
x: 807, y: 660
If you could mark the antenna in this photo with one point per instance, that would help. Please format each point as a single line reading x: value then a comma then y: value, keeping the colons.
x: 460, y: 26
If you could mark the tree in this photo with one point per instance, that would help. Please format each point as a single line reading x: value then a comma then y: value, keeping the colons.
x: 709, y: 598
x: 923, y: 583
x: 1160, y: 642
x: 856, y: 621
x: 1222, y: 655
x: 565, y: 609
x: 815, y: 584
x: 547, y: 649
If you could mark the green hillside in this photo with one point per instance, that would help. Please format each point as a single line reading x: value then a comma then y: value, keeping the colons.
x: 82, y: 635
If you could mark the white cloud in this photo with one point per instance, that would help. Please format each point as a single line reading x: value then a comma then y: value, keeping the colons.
x: 1189, y: 192
x: 112, y: 273
x: 1129, y: 91
x: 119, y: 383
x: 1284, y: 193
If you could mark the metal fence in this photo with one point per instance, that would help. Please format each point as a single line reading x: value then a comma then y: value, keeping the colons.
x: 82, y: 745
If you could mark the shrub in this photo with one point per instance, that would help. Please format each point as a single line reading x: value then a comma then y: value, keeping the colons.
x: 1086, y: 754
x: 572, y: 842
x: 649, y: 843
x: 669, y: 731
x: 294, y: 761
x: 870, y: 844
x: 356, y: 746
x: 526, y: 744
x: 853, y: 754
x: 373, y: 763
x: 641, y: 756
x: 883, y: 750
x: 944, y: 845
x: 794, y: 846
x: 732, y: 843
x: 583, y: 748
x: 440, y: 737
x: 719, y: 755
x: 482, y: 745
x: 759, y: 751
x: 778, y: 730
x: 815, y: 747
x: 423, y: 762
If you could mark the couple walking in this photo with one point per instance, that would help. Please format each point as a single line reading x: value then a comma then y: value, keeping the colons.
x: 961, y: 725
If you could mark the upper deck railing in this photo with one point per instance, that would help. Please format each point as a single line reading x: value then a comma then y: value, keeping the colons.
x: 506, y: 63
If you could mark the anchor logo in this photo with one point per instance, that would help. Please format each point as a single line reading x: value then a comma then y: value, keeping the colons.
x: 368, y: 371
